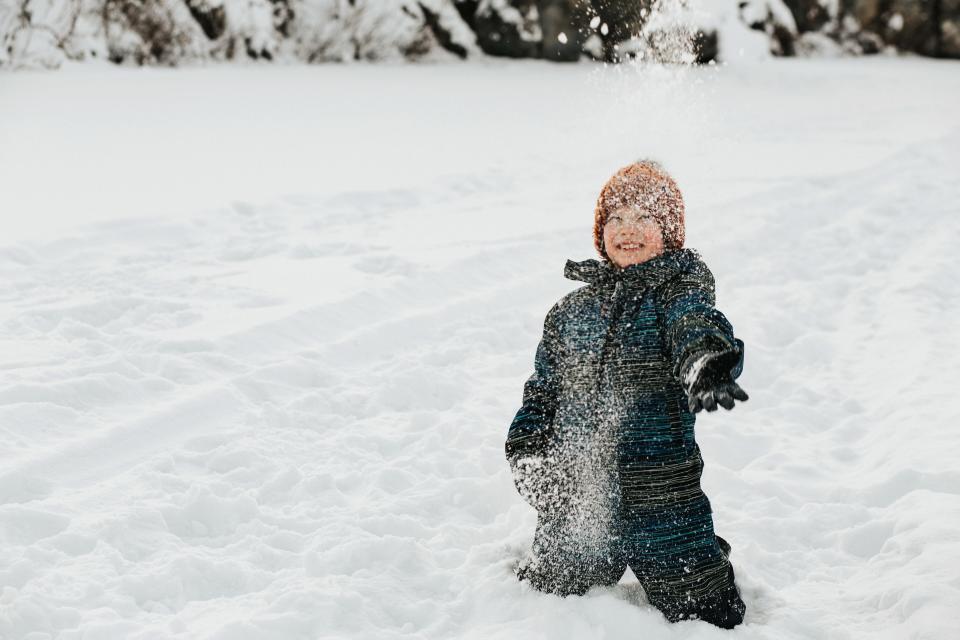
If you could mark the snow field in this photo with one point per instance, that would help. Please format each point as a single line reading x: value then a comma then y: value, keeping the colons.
x: 284, y: 417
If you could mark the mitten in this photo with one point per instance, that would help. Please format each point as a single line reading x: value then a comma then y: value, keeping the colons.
x: 529, y: 476
x: 708, y: 380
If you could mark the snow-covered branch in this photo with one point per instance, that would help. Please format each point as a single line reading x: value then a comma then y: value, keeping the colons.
x: 45, y: 33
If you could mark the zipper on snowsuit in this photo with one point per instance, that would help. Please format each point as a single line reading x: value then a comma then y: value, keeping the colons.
x: 673, y: 401
x: 617, y: 301
x: 616, y: 308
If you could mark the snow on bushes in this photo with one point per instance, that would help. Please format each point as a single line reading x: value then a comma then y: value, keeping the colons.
x: 44, y: 33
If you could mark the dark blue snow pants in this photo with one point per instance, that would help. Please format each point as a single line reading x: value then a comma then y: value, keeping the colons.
x: 669, y: 544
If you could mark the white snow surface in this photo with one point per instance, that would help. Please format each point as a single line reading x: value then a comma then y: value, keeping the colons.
x: 264, y: 329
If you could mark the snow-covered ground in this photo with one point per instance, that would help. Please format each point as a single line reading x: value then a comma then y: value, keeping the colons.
x: 263, y: 330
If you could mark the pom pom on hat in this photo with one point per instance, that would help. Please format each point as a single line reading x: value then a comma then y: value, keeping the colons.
x: 647, y: 185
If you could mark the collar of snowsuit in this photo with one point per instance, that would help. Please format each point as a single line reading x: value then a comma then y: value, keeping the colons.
x: 649, y: 274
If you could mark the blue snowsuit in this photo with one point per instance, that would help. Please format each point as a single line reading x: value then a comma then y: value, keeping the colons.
x: 605, y: 432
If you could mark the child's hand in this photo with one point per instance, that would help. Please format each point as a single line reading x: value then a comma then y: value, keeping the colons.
x: 528, y: 475
x: 709, y: 382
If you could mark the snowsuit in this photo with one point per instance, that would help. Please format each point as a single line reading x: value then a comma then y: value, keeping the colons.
x: 605, y: 425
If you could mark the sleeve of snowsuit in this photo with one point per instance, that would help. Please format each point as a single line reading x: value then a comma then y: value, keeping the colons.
x: 693, y: 326
x: 531, y: 428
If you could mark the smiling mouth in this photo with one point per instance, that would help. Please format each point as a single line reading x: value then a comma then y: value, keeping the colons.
x: 630, y: 246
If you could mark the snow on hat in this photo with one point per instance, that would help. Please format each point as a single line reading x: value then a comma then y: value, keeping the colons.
x: 646, y: 184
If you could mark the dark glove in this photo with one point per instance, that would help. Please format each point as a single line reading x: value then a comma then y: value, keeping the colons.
x: 709, y: 381
x: 529, y: 476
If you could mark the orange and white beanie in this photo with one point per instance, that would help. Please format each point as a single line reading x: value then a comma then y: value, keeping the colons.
x: 647, y: 185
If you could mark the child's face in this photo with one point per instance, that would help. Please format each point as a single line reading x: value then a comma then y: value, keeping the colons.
x: 632, y: 235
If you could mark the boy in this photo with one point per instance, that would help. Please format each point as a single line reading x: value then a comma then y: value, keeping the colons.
x: 603, y: 446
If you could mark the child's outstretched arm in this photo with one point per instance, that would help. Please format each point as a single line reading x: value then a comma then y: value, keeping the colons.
x: 707, y: 358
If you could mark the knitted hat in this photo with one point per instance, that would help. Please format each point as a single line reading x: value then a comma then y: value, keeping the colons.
x: 647, y: 184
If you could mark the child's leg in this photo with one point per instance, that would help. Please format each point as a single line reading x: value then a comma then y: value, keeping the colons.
x: 681, y: 562
x: 568, y: 562
x: 692, y: 581
x: 721, y: 606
